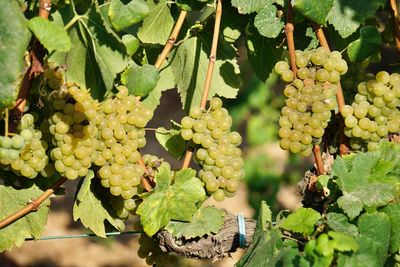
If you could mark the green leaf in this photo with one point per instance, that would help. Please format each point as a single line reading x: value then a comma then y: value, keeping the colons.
x: 324, y: 246
x: 357, y: 260
x: 315, y: 10
x: 177, y: 201
x: 343, y: 242
x: 140, y: 80
x: 246, y: 7
x: 158, y: 25
x: 374, y: 235
x: 368, y: 44
x: 263, y: 53
x: 51, y: 35
x: 339, y: 223
x: 267, y: 22
x: 89, y: 209
x: 166, y: 82
x: 189, y: 64
x: 302, y: 221
x: 205, y: 221
x: 98, y: 54
x: 371, y: 195
x: 393, y: 211
x: 265, y: 215
x: 14, y: 39
x: 171, y: 141
x: 124, y: 15
x: 131, y: 43
x: 347, y: 16
x: 30, y: 225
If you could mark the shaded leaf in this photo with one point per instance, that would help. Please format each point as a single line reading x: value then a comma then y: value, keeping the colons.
x: 168, y: 201
x: 302, y: 221
x: 172, y: 141
x: 339, y: 223
x: 267, y: 22
x: 189, y: 63
x: 14, y: 39
x: 315, y: 10
x: 30, y: 225
x: 124, y: 15
x: 368, y: 44
x: 205, y: 221
x: 393, y: 211
x: 140, y: 80
x: 89, y: 209
x: 157, y: 26
x: 50, y: 34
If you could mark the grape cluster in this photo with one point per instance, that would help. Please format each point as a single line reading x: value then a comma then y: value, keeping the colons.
x: 73, y: 136
x: 374, y: 113
x: 218, y: 152
x: 118, y: 126
x: 122, y: 207
x: 26, y: 152
x: 310, y: 98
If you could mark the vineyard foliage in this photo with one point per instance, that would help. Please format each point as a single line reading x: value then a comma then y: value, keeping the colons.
x: 93, y: 72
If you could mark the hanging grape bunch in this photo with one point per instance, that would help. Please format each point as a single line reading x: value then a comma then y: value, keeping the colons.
x: 310, y: 98
x: 374, y: 113
x: 54, y: 76
x: 217, y: 149
x: 25, y: 152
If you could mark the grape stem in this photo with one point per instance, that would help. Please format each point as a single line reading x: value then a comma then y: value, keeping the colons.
x: 171, y: 40
x: 289, y: 30
x: 36, y: 57
x: 396, y: 25
x: 210, y: 68
x: 32, y: 205
x: 318, y: 159
x: 343, y: 147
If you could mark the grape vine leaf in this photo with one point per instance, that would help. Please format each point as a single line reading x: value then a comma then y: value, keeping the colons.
x: 368, y: 44
x: 31, y: 225
x: 131, y: 43
x: 166, y: 82
x: 267, y: 22
x: 315, y: 10
x: 140, y: 80
x: 374, y: 235
x: 347, y: 16
x: 171, y: 141
x: 246, y: 7
x: 98, y: 54
x: 393, y: 211
x: 301, y: 221
x: 170, y: 201
x: 205, y: 221
x: 14, y: 39
x: 189, y: 63
x: 339, y: 223
x: 124, y: 15
x: 51, y: 35
x: 263, y: 53
x: 343, y: 242
x: 157, y: 26
x: 89, y: 209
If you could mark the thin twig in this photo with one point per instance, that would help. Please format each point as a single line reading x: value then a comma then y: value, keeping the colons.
x: 395, y: 21
x: 343, y: 147
x: 33, y: 205
x: 171, y: 40
x: 207, y: 83
x: 36, y: 54
x: 289, y: 30
x: 318, y: 159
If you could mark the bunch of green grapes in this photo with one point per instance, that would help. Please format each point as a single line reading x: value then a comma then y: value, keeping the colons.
x: 374, y: 114
x: 310, y: 98
x: 73, y: 137
x: 30, y: 150
x: 54, y: 76
x: 123, y: 207
x: 118, y: 126
x: 218, y: 153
